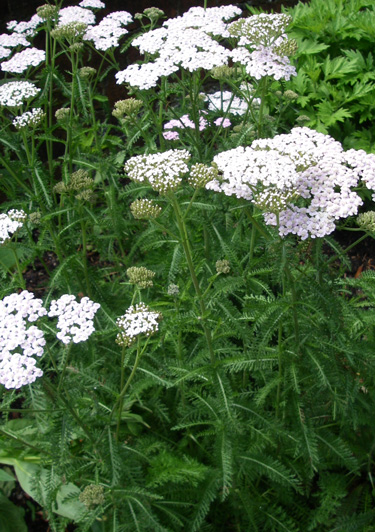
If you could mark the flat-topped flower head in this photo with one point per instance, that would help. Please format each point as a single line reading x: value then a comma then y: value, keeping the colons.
x: 263, y: 29
x: 21, y: 61
x: 75, y: 320
x: 137, y: 320
x: 92, y: 4
x: 15, y: 93
x: 108, y: 32
x: 70, y: 14
x: 10, y: 223
x: 29, y: 119
x: 226, y: 102
x: 162, y: 171
x: 28, y: 29
x: 183, y: 42
x: 12, y: 41
x: 304, y: 181
x: 20, y: 341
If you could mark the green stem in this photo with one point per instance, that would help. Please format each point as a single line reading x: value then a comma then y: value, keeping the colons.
x: 186, y: 246
x: 120, y: 399
x: 348, y: 248
x: 19, y: 270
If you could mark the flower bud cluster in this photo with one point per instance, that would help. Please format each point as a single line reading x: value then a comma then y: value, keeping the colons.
x: 140, y: 276
x: 200, y: 174
x: 222, y: 266
x: 47, y: 11
x: 366, y: 220
x: 70, y: 31
x: 29, y: 119
x: 127, y: 107
x: 144, y: 209
x: 173, y: 290
x: 19, y: 342
x: 259, y: 30
x: 75, y: 320
x: 10, y: 223
x: 80, y: 182
x: 137, y: 320
x: 153, y: 13
x: 87, y: 72
x: 92, y: 495
x: 62, y: 114
x: 163, y: 171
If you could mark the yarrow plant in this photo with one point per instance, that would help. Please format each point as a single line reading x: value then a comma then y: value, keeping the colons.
x: 186, y: 325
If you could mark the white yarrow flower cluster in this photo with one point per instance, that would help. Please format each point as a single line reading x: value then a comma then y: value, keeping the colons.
x: 226, y: 102
x: 25, y: 28
x: 108, y: 32
x: 93, y: 4
x: 29, y: 119
x: 75, y: 320
x: 263, y: 29
x: 310, y: 174
x: 183, y: 42
x: 71, y: 14
x: 137, y: 320
x: 163, y: 171
x: 23, y: 60
x: 10, y: 223
x: 12, y: 41
x: 14, y: 93
x: 19, y: 342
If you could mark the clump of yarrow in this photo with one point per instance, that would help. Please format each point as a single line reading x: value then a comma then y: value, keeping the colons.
x: 75, y: 319
x: 303, y: 181
x: 20, y: 342
x: 137, y: 320
x: 162, y: 171
x: 10, y: 222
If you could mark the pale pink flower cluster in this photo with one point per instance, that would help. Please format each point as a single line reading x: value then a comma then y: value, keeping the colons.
x: 23, y: 60
x: 184, y: 42
x: 19, y: 342
x: 15, y: 93
x: 309, y: 168
x: 163, y: 171
x: 222, y: 122
x: 264, y: 62
x: 75, y: 320
x: 108, y: 32
x: 10, y: 223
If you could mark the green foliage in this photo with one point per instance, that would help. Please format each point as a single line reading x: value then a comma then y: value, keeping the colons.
x: 335, y: 81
